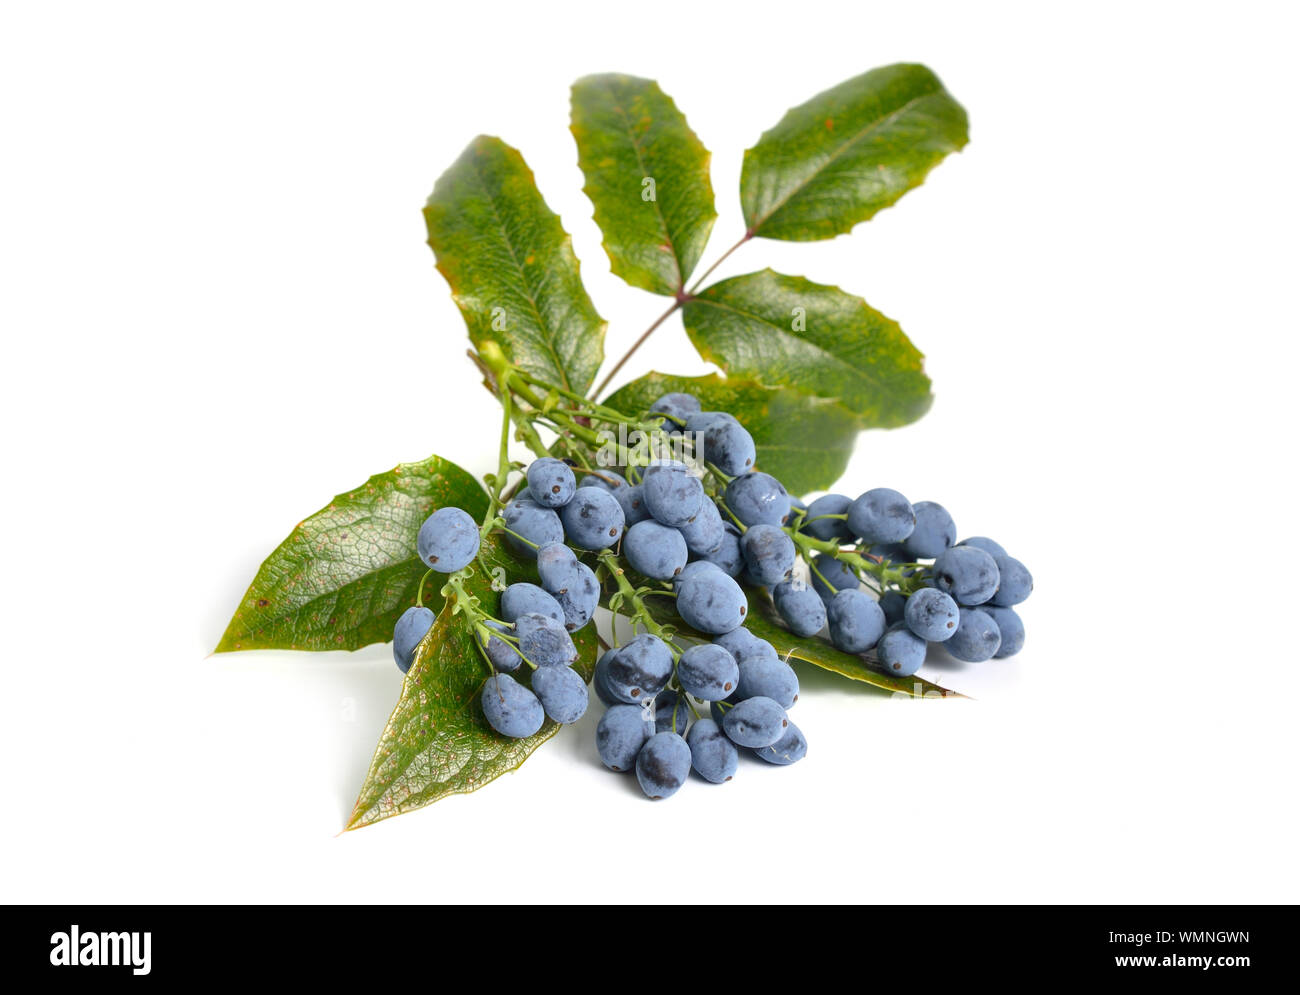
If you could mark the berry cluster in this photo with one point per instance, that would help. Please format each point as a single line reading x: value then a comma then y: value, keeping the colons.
x: 884, y: 578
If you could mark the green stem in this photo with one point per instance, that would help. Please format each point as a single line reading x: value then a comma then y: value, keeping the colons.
x: 633, y: 597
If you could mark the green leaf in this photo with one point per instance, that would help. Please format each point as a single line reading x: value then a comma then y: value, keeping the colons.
x: 766, y: 624
x: 785, y: 330
x: 648, y: 179
x: 511, y: 266
x: 437, y: 742
x: 344, y: 575
x: 805, y: 441
x: 848, y: 153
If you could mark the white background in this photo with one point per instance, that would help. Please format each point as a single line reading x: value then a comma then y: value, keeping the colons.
x: 219, y: 312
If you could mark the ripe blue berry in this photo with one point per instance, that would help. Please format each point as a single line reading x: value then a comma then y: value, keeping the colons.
x: 580, y: 599
x: 856, y: 621
x: 758, y: 499
x: 764, y: 675
x: 704, y: 533
x: 544, y: 641
x: 562, y: 692
x: 448, y: 540
x: 1010, y: 628
x: 967, y: 573
x: 901, y: 651
x: 932, y: 615
x: 727, y: 557
x: 557, y: 567
x: 593, y: 519
x: 640, y: 669
x: 977, y: 637
x: 790, y: 748
x: 934, y: 532
x: 412, y: 626
x: 801, y: 607
x: 501, y: 654
x: 710, y: 601
x: 672, y: 496
x: 881, y: 515
x: 894, y: 605
x: 714, y: 757
x: 755, y: 722
x: 663, y: 764
x: 510, y: 708
x: 537, y: 525
x: 769, y: 553
x: 655, y: 550
x: 726, y: 444
x: 708, y: 671
x: 984, y: 543
x: 677, y: 404
x: 672, y: 712
x: 551, y: 482
x: 743, y: 644
x: 620, y: 734
x: 524, y: 599
x: 1014, y: 582
x: 600, y: 679
x: 828, y: 528
x: 830, y: 575
x: 628, y: 496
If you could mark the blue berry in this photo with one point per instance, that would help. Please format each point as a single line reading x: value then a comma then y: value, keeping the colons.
x: 544, y: 641
x: 524, y: 599
x: 901, y: 651
x: 708, y: 671
x: 984, y: 543
x: 640, y: 669
x: 894, y: 605
x: 1010, y: 628
x: 790, y: 748
x: 537, y: 525
x: 769, y: 553
x: 412, y: 626
x: 801, y: 607
x: 693, y: 568
x: 593, y: 519
x: 663, y: 764
x: 830, y: 575
x: 934, y: 532
x: 551, y: 482
x: 562, y: 692
x: 628, y: 496
x: 672, y: 496
x: 977, y: 637
x: 743, y: 644
x: 714, y: 757
x: 655, y: 550
x: 620, y: 734
x: 726, y: 444
x: 448, y: 540
x: 932, y: 615
x: 557, y: 567
x: 828, y: 528
x: 1014, y: 582
x: 856, y: 621
x: 764, y: 675
x: 501, y: 654
x: 727, y: 557
x: 672, y: 712
x: 510, y: 708
x: 758, y: 499
x: 704, y: 533
x: 881, y: 515
x: 677, y: 404
x: 580, y: 599
x: 967, y: 573
x: 711, y: 602
x: 755, y: 722
x: 600, y: 679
